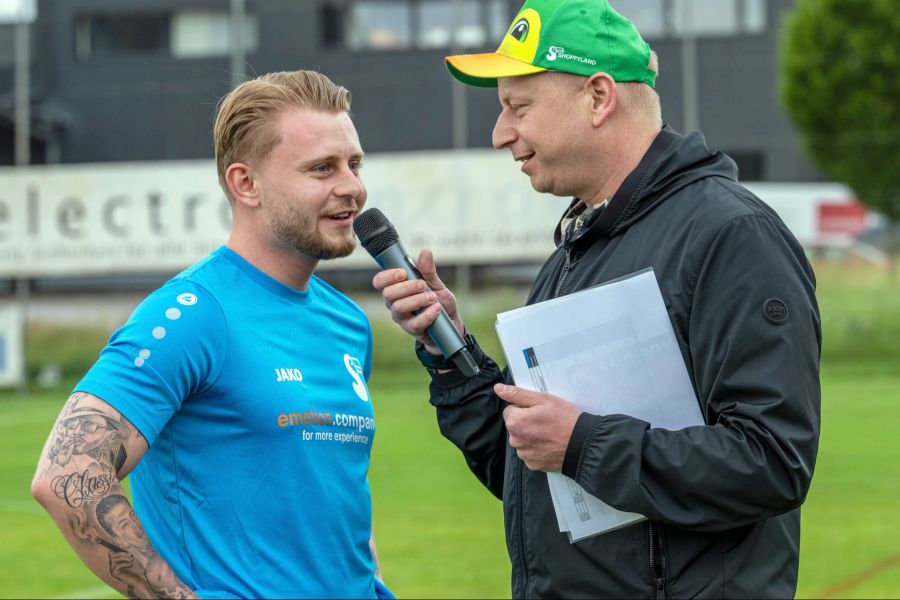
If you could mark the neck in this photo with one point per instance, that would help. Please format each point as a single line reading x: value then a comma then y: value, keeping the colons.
x: 290, y: 268
x: 623, y: 159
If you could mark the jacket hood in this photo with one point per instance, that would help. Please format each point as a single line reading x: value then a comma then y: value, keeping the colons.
x: 672, y: 162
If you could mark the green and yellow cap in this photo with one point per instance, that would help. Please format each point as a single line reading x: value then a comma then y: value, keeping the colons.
x: 575, y: 36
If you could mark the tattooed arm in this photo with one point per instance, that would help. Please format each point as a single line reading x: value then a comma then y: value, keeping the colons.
x: 91, y: 448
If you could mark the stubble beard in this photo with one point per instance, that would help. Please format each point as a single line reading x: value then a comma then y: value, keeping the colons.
x: 300, y: 233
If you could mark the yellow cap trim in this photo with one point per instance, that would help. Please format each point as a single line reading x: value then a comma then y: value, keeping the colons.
x: 491, y: 65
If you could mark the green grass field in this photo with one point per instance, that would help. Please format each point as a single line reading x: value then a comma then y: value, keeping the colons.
x: 441, y: 535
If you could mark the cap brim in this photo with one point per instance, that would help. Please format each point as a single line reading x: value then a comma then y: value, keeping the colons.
x: 482, y: 70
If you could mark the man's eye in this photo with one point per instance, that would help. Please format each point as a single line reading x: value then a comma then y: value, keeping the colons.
x: 355, y: 166
x: 323, y: 169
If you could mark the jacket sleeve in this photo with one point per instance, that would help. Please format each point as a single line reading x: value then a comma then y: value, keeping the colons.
x: 757, y: 379
x: 470, y: 415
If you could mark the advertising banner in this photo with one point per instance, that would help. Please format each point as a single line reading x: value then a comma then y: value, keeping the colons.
x: 157, y: 217
x: 471, y: 207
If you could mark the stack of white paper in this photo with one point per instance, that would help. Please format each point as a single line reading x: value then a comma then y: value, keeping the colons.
x: 609, y: 349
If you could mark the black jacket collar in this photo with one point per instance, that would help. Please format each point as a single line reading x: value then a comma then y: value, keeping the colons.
x: 672, y: 161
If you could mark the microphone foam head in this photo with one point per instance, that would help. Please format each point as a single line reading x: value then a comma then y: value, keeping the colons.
x: 375, y: 232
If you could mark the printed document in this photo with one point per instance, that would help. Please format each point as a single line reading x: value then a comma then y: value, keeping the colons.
x: 609, y: 349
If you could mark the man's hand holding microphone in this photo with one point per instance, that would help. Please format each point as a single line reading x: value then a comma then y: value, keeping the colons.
x: 539, y: 424
x: 416, y: 303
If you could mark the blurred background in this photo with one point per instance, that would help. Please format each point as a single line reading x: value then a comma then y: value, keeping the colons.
x: 108, y: 188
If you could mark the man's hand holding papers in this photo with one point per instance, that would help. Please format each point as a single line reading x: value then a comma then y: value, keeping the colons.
x: 539, y: 426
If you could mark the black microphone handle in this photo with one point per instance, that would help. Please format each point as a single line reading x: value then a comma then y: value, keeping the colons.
x: 442, y: 331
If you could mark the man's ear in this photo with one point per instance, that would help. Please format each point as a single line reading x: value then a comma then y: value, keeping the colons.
x: 241, y: 181
x: 601, y: 89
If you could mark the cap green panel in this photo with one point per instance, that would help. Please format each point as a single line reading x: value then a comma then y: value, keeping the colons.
x: 588, y: 36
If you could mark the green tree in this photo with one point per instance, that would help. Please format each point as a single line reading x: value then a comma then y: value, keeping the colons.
x: 840, y: 84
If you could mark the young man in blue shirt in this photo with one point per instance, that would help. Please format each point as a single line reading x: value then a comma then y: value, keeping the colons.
x: 236, y: 393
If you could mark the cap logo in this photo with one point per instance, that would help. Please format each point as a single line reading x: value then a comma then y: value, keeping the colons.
x: 521, y: 42
x: 520, y: 30
x: 555, y: 52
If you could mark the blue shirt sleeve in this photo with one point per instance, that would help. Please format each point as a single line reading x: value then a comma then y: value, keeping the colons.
x: 171, y: 347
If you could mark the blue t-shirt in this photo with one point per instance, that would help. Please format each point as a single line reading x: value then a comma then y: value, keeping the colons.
x: 253, y: 398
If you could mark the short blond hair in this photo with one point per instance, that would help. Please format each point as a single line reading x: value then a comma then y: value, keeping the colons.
x: 243, y: 131
x: 639, y: 99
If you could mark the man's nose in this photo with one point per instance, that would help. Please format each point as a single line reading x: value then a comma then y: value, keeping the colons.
x: 350, y: 186
x: 504, y: 134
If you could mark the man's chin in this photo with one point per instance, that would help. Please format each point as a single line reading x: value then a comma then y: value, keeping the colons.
x: 540, y: 186
x: 335, y: 250
x: 544, y: 186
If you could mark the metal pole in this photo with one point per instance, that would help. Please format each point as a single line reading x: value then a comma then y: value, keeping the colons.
x: 238, y: 47
x: 459, y: 122
x: 689, y: 77
x: 458, y: 112
x: 22, y: 120
x: 22, y: 94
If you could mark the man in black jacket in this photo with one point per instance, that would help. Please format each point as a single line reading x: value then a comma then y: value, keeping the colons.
x: 575, y: 82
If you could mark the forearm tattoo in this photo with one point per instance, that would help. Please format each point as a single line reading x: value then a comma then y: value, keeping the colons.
x: 84, y: 458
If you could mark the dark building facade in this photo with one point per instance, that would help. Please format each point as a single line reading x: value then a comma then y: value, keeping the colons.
x: 139, y: 80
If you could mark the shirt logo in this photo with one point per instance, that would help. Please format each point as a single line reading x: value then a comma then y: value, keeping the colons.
x: 354, y: 367
x: 288, y: 375
x: 187, y: 299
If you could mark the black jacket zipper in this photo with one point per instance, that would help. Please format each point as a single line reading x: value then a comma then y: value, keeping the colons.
x: 523, y: 564
x: 569, y: 258
x: 562, y: 278
x: 658, y: 564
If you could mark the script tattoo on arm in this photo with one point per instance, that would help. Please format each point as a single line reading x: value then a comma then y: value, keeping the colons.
x: 90, y: 449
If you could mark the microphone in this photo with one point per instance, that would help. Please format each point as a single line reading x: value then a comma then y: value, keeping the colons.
x: 378, y: 236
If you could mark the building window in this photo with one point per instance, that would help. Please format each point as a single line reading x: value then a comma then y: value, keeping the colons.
x: 379, y: 25
x: 753, y: 14
x: 675, y: 18
x: 648, y: 16
x: 701, y: 17
x: 498, y: 20
x: 405, y: 24
x: 207, y: 33
x: 443, y: 24
x: 113, y: 35
x: 331, y: 29
x: 183, y: 34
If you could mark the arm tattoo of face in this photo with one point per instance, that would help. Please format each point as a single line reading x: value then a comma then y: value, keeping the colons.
x: 85, y: 435
x: 132, y: 560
